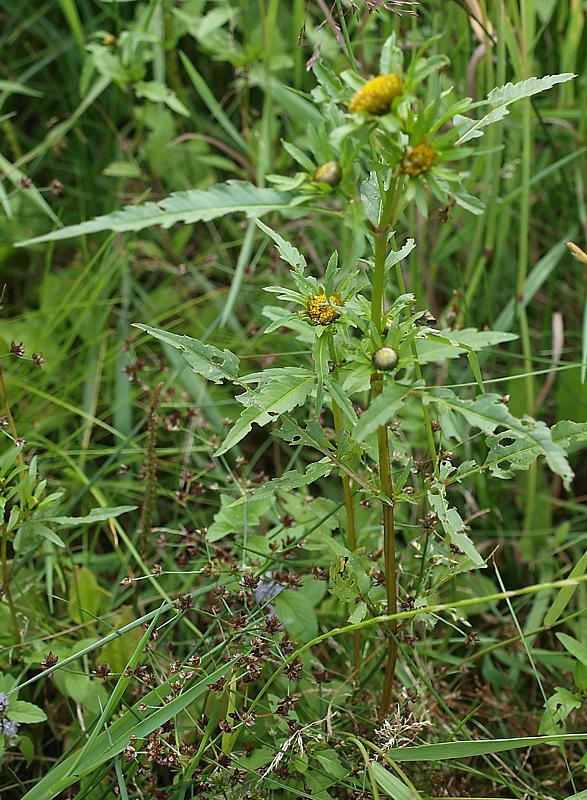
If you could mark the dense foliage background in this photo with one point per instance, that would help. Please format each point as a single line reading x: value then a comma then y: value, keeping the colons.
x: 136, y: 600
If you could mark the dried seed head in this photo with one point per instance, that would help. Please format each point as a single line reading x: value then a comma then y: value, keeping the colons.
x: 329, y: 173
x: 385, y: 359
x: 376, y: 95
x: 417, y: 160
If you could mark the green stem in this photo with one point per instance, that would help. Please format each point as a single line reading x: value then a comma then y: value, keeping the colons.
x: 348, y: 499
x: 381, y: 236
x: 6, y: 586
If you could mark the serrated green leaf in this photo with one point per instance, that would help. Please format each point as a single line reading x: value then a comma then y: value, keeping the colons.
x: 195, y: 205
x: 288, y: 481
x: 434, y: 349
x: 290, y: 254
x: 395, y: 256
x: 488, y: 411
x: 206, y: 360
x: 341, y: 399
x: 453, y: 525
x: 500, y: 98
x: 278, y: 397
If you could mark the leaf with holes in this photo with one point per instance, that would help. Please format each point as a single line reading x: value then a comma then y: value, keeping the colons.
x: 488, y: 412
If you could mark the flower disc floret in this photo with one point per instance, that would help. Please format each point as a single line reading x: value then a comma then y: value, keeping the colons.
x: 319, y: 312
x: 376, y: 95
x: 417, y: 159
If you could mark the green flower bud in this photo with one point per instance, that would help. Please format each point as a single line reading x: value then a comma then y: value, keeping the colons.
x: 329, y: 173
x: 385, y: 359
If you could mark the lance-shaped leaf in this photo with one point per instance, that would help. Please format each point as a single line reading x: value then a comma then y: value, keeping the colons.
x: 206, y: 360
x: 195, y: 205
x: 288, y: 481
x: 500, y: 98
x: 450, y: 519
x: 488, y: 412
x: 270, y: 400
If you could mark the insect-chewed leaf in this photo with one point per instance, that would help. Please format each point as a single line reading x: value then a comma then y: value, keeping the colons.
x: 488, y: 411
x: 208, y: 361
x: 277, y: 397
x: 288, y: 481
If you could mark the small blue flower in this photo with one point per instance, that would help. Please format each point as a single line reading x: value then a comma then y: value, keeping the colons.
x: 3, y: 702
x: 10, y: 729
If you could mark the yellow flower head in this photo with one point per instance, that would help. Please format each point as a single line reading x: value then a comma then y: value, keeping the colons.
x: 417, y: 159
x: 376, y: 95
x: 318, y: 312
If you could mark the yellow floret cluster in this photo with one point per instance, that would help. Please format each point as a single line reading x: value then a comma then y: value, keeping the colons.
x: 376, y: 95
x: 417, y: 159
x: 320, y: 314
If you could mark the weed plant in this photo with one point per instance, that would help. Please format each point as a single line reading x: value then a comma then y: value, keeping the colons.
x: 292, y: 506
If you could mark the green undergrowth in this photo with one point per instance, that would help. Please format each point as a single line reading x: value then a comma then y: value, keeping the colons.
x: 294, y: 411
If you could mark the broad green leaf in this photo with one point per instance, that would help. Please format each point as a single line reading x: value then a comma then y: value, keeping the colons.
x: 205, y: 360
x: 288, y: 481
x: 500, y: 98
x: 441, y: 752
x: 558, y: 708
x: 488, y: 411
x: 233, y: 519
x: 21, y: 711
x: 195, y: 205
x: 85, y: 596
x: 297, y: 615
x: 267, y: 403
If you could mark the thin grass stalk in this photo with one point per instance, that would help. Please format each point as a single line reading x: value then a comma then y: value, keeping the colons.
x: 528, y: 30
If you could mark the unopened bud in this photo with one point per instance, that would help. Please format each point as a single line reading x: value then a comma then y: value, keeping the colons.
x: 385, y: 359
x: 329, y: 173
